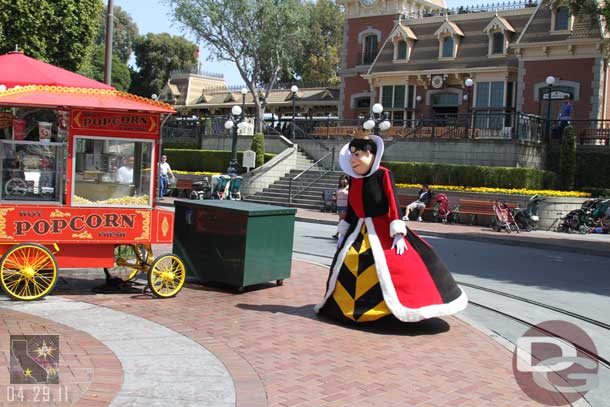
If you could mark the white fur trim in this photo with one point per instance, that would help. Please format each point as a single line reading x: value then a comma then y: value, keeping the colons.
x: 342, y: 227
x: 349, y: 240
x: 401, y: 312
x: 398, y: 226
x: 345, y: 158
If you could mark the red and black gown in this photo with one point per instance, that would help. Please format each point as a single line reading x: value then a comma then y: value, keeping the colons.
x: 368, y: 280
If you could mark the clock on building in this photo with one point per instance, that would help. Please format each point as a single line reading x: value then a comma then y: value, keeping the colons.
x: 368, y: 3
x: 437, y: 81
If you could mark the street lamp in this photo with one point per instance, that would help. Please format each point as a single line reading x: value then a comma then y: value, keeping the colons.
x: 377, y: 121
x: 244, y: 92
x: 235, y: 121
x: 468, y: 98
x: 550, y: 81
x: 294, y: 89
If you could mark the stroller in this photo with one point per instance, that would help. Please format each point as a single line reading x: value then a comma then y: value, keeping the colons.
x: 504, y: 218
x: 441, y: 208
x: 330, y: 201
x: 527, y: 219
x: 585, y: 219
x: 233, y: 189
x: 201, y: 189
x: 220, y: 186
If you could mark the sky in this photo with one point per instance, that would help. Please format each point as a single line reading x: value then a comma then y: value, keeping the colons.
x: 154, y: 16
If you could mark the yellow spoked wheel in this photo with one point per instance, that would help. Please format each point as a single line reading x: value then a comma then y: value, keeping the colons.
x: 166, y: 275
x: 28, y: 272
x: 129, y: 259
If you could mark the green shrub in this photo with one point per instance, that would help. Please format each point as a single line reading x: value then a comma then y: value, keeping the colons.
x: 592, y: 166
x: 202, y: 160
x: 470, y: 175
x: 567, y: 159
x: 258, y: 146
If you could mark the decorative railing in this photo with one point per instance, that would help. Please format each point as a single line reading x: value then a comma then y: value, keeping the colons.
x: 481, y: 8
x: 301, y: 182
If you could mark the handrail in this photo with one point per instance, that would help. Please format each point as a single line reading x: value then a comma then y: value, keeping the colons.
x: 323, y: 173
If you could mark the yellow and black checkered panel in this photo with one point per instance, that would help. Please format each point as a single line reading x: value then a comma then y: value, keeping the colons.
x: 357, y: 292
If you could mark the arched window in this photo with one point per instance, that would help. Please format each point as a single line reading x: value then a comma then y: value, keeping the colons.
x: 498, y: 43
x: 370, y: 49
x: 402, y: 50
x: 448, y: 47
x: 562, y: 18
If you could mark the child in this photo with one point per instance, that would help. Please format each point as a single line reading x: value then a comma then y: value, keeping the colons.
x: 340, y: 196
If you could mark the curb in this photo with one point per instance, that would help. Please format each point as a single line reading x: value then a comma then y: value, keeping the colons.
x: 531, y: 242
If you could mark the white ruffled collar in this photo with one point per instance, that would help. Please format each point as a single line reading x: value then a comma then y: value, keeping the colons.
x: 345, y: 158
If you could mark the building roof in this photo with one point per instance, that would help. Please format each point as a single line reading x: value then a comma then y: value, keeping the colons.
x: 473, y: 48
x: 277, y: 97
x: 538, y: 29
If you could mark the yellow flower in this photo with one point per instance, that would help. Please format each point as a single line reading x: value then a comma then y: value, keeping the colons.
x: 513, y: 191
x: 179, y: 172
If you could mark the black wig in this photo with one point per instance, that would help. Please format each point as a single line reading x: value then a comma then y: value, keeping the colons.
x: 363, y: 145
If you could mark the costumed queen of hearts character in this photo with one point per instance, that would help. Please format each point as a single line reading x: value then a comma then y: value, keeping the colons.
x: 381, y: 268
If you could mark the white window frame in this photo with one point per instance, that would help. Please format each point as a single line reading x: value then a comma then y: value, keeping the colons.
x: 151, y: 188
x: 556, y: 5
x: 441, y: 46
x: 490, y: 50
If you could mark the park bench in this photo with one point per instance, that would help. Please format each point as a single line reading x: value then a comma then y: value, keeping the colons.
x: 182, y: 188
x: 406, y: 199
x: 475, y: 208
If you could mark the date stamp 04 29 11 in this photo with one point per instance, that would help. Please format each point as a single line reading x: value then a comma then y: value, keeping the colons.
x: 34, y: 371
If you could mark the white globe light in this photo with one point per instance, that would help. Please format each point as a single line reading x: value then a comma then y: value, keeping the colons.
x: 229, y: 124
x: 294, y: 88
x: 465, y: 97
x: 2, y: 88
x: 369, y: 124
x: 377, y: 108
x: 384, y: 125
x: 550, y: 80
x: 236, y: 110
x: 244, y: 91
x: 469, y: 82
x: 154, y: 96
x: 418, y: 98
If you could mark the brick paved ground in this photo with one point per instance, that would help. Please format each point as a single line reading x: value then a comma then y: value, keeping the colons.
x: 280, y: 353
x: 89, y: 372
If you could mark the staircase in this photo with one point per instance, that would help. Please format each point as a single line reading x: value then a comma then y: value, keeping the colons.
x: 311, y: 198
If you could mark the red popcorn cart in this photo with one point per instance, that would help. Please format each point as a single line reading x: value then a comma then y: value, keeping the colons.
x: 79, y: 177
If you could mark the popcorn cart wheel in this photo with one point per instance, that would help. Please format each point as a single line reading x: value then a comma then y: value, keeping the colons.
x: 28, y: 271
x: 166, y: 273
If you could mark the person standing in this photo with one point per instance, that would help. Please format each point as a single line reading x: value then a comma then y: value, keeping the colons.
x: 165, y: 171
x: 125, y: 172
x: 565, y: 114
x: 341, y: 195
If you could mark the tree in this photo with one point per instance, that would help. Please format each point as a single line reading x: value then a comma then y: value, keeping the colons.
x: 567, y: 158
x: 321, y: 49
x: 251, y: 34
x: 125, y: 32
x: 157, y: 55
x: 593, y: 8
x: 121, y: 76
x: 60, y: 32
x: 258, y: 146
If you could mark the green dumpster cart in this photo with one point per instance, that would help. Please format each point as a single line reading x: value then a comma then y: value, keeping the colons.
x: 234, y: 242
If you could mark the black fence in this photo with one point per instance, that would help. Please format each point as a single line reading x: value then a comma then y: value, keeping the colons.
x: 478, y: 125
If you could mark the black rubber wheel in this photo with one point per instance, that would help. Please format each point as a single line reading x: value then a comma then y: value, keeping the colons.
x: 279, y: 282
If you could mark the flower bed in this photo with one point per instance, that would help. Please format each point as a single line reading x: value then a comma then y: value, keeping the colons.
x: 519, y: 191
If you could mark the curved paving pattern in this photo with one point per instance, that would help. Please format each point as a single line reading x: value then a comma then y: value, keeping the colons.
x: 161, y: 367
x: 90, y: 373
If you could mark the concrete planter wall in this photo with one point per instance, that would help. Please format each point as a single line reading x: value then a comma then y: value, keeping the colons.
x: 273, y: 144
x: 497, y: 153
x: 274, y: 169
x: 551, y: 209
